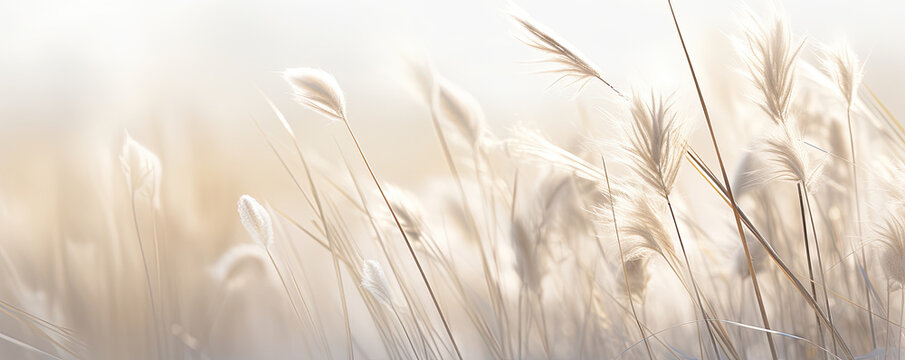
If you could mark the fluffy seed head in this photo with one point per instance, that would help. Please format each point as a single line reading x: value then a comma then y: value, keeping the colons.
x: 256, y: 220
x: 452, y: 104
x: 409, y: 212
x: 654, y: 142
x: 784, y: 151
x: 643, y: 231
x: 771, y: 66
x: 317, y: 90
x: 748, y: 175
x: 890, y: 233
x: 842, y: 65
x: 527, y: 245
x: 562, y: 58
x: 141, y: 168
x: 375, y: 282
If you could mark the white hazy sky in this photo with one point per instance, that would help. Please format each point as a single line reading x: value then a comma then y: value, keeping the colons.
x: 68, y: 65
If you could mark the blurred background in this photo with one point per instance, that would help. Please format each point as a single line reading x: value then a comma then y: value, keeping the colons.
x: 72, y: 67
x: 186, y: 78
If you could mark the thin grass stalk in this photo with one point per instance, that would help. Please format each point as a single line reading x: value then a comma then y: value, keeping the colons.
x: 694, y: 284
x: 854, y: 169
x: 586, y: 316
x: 276, y: 268
x: 406, y: 295
x: 521, y: 297
x: 674, y: 267
x: 738, y: 223
x: 317, y: 209
x: 807, y: 251
x: 721, y: 190
x: 446, y: 267
x: 826, y: 298
x: 898, y: 126
x: 666, y: 346
x: 165, y: 339
x: 408, y: 242
x: 319, y: 92
x: 492, y: 287
x: 330, y: 241
x: 901, y: 311
x: 628, y: 286
x: 298, y: 291
x: 324, y: 245
x: 542, y: 326
x: 404, y: 331
x: 144, y: 262
x: 519, y: 310
x: 64, y: 332
x: 886, y: 338
x: 317, y: 329
x: 285, y: 166
x: 740, y: 325
x: 489, y: 202
x: 38, y: 331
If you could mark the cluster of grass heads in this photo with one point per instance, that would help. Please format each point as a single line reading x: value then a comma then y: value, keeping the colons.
x: 592, y: 249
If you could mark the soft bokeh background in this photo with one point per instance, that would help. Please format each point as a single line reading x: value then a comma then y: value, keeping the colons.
x: 183, y: 78
x: 72, y: 66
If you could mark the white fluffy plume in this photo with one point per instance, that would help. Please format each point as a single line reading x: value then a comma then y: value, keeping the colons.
x: 644, y: 233
x: 452, y: 104
x: 783, y: 149
x: 409, y: 212
x: 375, y: 282
x: 317, y: 90
x: 562, y: 58
x: 654, y: 142
x: 770, y: 56
x: 842, y: 65
x: 256, y: 220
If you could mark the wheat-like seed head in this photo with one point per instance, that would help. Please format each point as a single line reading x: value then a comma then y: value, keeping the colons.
x: 654, y: 142
x: 526, y: 244
x: 142, y: 169
x: 452, y: 103
x: 770, y: 57
x: 841, y: 64
x: 563, y: 59
x: 409, y: 212
x: 890, y: 234
x: 375, y: 282
x: 643, y: 232
x: 256, y: 220
x: 317, y: 90
x: 748, y: 175
x: 784, y: 151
